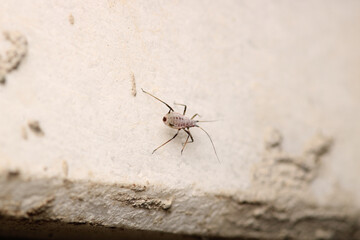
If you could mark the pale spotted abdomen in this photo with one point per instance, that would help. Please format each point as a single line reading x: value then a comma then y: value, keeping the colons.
x: 178, y: 121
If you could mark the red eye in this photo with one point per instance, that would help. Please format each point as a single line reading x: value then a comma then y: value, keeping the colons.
x: 164, y: 119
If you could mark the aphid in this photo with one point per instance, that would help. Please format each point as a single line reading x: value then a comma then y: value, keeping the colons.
x: 181, y: 122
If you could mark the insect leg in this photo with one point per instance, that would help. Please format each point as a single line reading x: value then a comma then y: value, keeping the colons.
x: 167, y: 141
x: 189, y: 135
x: 182, y: 105
x: 210, y: 141
x: 159, y: 100
x: 195, y: 116
x: 185, y: 144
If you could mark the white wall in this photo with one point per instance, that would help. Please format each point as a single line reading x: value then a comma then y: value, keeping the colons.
x: 285, y: 74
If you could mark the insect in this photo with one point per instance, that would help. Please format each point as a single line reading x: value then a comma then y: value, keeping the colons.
x: 181, y: 122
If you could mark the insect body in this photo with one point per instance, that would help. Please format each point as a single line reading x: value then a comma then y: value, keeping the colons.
x: 181, y: 122
x: 178, y: 121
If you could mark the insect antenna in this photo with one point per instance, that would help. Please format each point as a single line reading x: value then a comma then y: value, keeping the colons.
x: 159, y: 100
x: 210, y: 141
x: 208, y: 121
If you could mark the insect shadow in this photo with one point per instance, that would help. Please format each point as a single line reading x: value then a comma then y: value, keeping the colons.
x: 179, y: 122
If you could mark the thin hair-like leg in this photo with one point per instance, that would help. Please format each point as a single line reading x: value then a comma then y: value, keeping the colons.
x: 159, y: 100
x: 182, y: 105
x: 210, y: 141
x: 195, y: 116
x: 185, y: 144
x: 167, y: 141
x: 189, y: 136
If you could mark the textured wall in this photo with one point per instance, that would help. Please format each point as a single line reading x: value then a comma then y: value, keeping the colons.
x: 282, y: 78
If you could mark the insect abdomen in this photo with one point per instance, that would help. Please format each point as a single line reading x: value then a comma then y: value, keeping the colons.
x: 179, y: 121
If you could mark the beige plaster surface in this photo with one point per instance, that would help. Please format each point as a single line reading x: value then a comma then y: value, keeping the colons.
x: 281, y: 78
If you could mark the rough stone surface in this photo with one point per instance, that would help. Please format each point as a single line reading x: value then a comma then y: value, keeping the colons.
x: 76, y: 134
